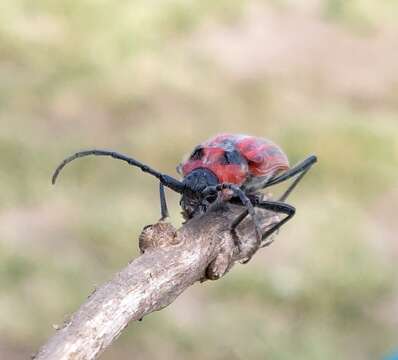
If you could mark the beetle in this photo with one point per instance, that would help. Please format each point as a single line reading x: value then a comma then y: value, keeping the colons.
x: 227, y: 166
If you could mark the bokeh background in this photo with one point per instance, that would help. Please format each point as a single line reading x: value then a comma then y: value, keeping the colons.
x: 154, y: 78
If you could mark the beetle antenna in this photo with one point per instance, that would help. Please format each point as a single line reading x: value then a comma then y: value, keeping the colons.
x: 166, y: 180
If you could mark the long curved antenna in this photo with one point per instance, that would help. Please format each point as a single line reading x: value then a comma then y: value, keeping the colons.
x: 166, y: 180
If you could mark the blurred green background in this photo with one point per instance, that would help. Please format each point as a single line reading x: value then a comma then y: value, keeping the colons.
x: 154, y: 78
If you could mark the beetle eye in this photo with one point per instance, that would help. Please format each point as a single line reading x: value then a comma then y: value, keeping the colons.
x: 197, y: 154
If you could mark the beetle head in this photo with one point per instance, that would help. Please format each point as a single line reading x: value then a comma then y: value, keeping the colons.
x: 192, y: 200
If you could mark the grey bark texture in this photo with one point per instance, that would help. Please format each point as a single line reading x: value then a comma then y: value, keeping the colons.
x: 170, y: 261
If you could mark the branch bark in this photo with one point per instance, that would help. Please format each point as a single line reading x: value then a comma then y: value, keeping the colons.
x: 171, y: 261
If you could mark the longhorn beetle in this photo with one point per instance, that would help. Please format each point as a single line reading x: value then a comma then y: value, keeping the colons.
x: 233, y: 164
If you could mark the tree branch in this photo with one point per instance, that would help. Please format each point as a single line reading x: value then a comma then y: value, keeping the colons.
x: 171, y: 261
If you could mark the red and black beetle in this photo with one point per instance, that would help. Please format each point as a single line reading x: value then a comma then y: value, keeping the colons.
x: 240, y: 164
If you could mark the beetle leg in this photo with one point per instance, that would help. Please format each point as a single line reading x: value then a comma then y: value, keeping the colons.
x: 164, y: 212
x: 255, y: 185
x: 276, y: 206
x: 300, y: 169
x: 237, y: 191
x: 279, y: 206
x: 293, y: 184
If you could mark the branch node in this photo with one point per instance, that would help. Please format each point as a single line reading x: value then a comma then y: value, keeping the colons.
x: 159, y: 235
